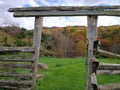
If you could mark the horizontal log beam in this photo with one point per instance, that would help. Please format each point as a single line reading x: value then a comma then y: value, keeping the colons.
x: 19, y: 82
x: 63, y: 8
x: 105, y: 66
x: 108, y: 72
x: 109, y: 53
x: 113, y: 86
x: 16, y: 49
x: 6, y: 87
x: 15, y: 84
x: 15, y: 75
x: 18, y: 66
x: 66, y: 11
x: 17, y: 59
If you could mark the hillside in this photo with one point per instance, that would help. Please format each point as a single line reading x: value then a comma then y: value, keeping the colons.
x: 66, y: 41
x: 6, y: 39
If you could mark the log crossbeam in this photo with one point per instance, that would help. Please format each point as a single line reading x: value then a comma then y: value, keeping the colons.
x: 66, y: 11
x: 112, y: 86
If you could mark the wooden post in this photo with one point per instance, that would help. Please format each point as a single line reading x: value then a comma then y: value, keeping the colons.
x: 91, y: 37
x: 36, y: 45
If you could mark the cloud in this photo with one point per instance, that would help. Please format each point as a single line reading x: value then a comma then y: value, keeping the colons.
x: 7, y: 18
x: 64, y: 21
x: 108, y: 20
x: 26, y: 5
x: 42, y: 2
x: 98, y: 2
x: 103, y: 4
x: 1, y: 2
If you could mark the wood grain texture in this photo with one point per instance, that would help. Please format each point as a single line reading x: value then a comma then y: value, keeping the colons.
x: 7, y: 87
x: 26, y: 66
x: 63, y: 8
x: 105, y: 66
x: 17, y: 75
x: 113, y: 86
x: 36, y: 45
x: 16, y: 49
x: 17, y: 59
x: 15, y: 84
x: 91, y: 37
x: 66, y: 11
x: 20, y: 82
x: 108, y: 53
x: 108, y: 72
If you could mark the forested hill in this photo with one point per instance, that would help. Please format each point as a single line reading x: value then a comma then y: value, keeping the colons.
x: 66, y: 41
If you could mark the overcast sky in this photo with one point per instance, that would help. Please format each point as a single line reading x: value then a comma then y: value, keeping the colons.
x: 6, y: 18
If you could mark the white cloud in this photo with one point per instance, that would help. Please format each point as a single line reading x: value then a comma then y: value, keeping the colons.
x: 108, y: 20
x: 32, y: 3
x: 45, y: 2
x: 64, y: 21
x: 97, y: 2
x: 1, y: 2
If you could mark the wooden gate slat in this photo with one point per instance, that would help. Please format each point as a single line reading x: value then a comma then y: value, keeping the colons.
x: 18, y: 66
x: 17, y: 75
x: 106, y: 66
x: 113, y: 86
x: 20, y: 82
x: 14, y: 88
x: 108, y: 72
x: 16, y: 49
x: 17, y: 59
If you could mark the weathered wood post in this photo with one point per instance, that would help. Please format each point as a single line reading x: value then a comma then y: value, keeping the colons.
x: 91, y: 37
x: 36, y: 45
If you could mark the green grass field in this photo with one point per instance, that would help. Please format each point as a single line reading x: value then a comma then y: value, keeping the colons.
x: 69, y: 74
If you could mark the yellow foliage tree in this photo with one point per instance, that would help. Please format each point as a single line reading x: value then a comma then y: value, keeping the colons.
x: 80, y: 48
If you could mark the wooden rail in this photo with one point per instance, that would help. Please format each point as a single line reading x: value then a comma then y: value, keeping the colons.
x: 63, y: 8
x: 17, y: 59
x: 16, y: 49
x: 109, y: 53
x: 27, y: 66
x: 15, y: 84
x: 16, y: 75
x: 108, y: 72
x: 66, y: 11
x: 14, y: 88
x: 105, y: 66
x: 113, y: 86
x: 19, y: 82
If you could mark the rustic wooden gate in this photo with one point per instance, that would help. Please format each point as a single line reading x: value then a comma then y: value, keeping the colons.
x: 22, y: 80
x: 92, y: 12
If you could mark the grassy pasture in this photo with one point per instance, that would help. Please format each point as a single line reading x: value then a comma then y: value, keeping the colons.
x: 69, y: 74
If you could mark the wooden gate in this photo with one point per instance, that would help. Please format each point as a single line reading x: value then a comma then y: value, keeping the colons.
x: 92, y: 12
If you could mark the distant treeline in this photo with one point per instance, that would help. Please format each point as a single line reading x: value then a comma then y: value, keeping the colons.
x: 66, y: 41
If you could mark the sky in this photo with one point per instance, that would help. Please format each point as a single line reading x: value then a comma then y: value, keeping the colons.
x: 6, y: 18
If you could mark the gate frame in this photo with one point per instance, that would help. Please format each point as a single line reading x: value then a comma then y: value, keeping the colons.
x: 92, y: 13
